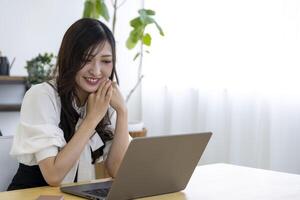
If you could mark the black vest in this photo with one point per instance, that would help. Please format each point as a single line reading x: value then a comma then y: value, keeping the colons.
x: 27, y: 177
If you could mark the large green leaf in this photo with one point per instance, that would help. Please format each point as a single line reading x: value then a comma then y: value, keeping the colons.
x: 161, y: 32
x: 150, y: 12
x: 94, y: 13
x: 88, y: 7
x: 142, y: 11
x: 148, y: 20
x: 147, y: 39
x: 98, y: 6
x: 138, y: 33
x: 139, y: 25
x: 136, y: 22
x: 95, y: 9
x: 135, y: 36
x: 104, y: 11
x: 130, y: 44
x: 146, y: 12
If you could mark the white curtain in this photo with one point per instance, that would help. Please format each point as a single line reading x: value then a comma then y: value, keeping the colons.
x: 230, y: 67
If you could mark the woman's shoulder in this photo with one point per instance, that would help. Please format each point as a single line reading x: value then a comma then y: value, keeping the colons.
x: 42, y: 94
x: 45, y: 88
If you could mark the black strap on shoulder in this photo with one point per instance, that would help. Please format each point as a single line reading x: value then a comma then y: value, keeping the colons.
x: 51, y: 85
x: 75, y: 180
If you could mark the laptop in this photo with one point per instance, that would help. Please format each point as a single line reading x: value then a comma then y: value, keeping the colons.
x: 151, y: 166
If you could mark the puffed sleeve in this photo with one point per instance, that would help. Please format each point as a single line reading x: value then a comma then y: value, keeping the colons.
x: 38, y: 135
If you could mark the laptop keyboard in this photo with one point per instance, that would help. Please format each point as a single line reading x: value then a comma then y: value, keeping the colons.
x: 98, y: 192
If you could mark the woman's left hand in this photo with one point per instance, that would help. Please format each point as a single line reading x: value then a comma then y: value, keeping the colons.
x: 117, y: 101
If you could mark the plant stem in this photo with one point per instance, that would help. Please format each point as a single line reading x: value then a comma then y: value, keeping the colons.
x: 121, y: 4
x: 139, y: 76
x: 115, y: 6
x: 134, y: 88
x: 141, y: 60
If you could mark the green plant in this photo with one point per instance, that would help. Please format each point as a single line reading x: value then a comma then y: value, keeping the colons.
x: 40, y: 68
x: 138, y: 34
x: 98, y: 8
x: 139, y: 25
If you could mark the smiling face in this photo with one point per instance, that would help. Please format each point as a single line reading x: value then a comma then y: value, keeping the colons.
x: 98, y: 68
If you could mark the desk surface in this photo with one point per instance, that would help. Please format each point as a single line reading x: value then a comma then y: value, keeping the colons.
x: 209, y: 182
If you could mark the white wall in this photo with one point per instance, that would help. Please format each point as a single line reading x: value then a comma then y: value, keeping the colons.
x: 30, y: 27
x: 230, y: 67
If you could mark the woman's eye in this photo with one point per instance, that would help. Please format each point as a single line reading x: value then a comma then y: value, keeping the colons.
x: 107, y: 61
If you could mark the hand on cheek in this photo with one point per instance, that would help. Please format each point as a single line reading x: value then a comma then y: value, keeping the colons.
x: 117, y: 101
x: 98, y: 102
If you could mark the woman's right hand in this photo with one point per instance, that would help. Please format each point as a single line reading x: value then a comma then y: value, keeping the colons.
x: 98, y: 102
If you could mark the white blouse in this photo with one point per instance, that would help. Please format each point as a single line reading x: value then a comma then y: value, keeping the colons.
x: 38, y: 134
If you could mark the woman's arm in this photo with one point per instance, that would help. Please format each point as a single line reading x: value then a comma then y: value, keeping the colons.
x: 54, y: 169
x: 121, y: 135
x: 119, y: 144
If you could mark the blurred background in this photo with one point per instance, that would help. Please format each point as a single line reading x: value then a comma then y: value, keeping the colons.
x: 230, y: 67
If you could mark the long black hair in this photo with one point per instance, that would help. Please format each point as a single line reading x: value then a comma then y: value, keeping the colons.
x: 78, y: 43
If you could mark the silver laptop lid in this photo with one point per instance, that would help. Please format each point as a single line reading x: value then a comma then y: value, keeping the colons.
x: 158, y: 165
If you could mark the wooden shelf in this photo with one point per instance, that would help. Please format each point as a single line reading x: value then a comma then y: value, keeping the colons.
x: 12, y: 79
x: 10, y: 107
x: 4, y: 80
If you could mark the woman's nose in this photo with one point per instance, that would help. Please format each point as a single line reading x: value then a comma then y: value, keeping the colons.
x: 96, y: 70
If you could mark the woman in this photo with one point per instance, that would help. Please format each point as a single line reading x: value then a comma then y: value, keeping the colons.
x: 64, y: 124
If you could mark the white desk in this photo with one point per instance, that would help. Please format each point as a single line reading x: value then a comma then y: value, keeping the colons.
x: 230, y: 182
x: 209, y: 182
